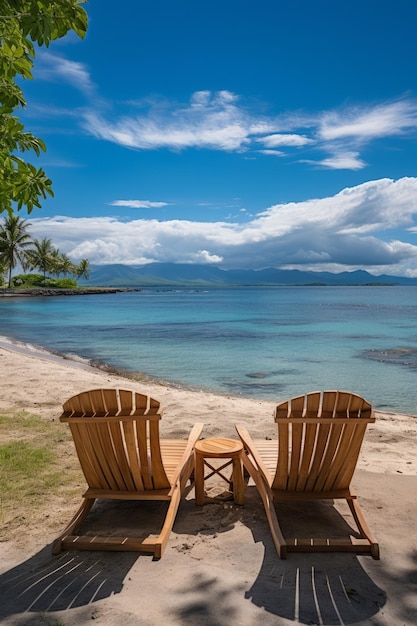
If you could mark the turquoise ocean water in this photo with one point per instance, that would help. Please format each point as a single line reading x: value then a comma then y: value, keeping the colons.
x: 259, y: 342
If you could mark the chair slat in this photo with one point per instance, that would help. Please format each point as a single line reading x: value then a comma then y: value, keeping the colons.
x: 160, y: 480
x: 120, y: 453
x: 132, y: 454
x: 111, y: 401
x: 322, y: 436
x: 97, y: 406
x: 85, y: 460
x: 328, y: 403
x: 141, y: 404
x: 347, y: 469
x: 73, y: 406
x: 307, y: 456
x: 282, y: 410
x: 87, y: 436
x: 297, y: 407
x: 281, y: 475
x: 312, y: 404
x: 335, y: 434
x: 144, y: 455
x: 126, y: 402
x: 343, y: 400
x: 296, y: 451
x: 340, y: 457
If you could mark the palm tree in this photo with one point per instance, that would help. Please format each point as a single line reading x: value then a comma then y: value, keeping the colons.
x: 14, y: 243
x: 83, y: 269
x: 42, y: 256
x: 55, y: 262
x: 3, y: 269
x: 65, y: 265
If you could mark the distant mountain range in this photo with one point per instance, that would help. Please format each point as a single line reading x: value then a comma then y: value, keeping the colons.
x: 173, y: 274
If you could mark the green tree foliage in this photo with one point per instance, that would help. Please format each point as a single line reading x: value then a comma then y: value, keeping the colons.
x: 66, y: 266
x: 83, y: 269
x: 41, y: 256
x: 24, y: 24
x: 15, y: 243
x: 3, y: 269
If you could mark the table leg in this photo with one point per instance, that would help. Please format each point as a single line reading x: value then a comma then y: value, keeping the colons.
x: 238, y: 481
x: 199, y: 479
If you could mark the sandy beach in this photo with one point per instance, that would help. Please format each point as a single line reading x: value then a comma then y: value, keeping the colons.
x: 220, y: 567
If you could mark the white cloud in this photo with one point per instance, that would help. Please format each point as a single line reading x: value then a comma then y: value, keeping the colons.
x: 273, y: 141
x: 138, y: 204
x: 349, y: 230
x: 369, y: 122
x: 57, y: 68
x: 212, y: 121
x: 272, y: 152
x: 342, y: 161
x: 204, y: 257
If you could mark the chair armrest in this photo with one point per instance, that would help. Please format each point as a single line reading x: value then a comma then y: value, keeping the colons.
x: 250, y: 449
x: 192, y: 438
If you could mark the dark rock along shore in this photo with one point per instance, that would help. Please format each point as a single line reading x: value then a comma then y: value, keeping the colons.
x: 44, y: 291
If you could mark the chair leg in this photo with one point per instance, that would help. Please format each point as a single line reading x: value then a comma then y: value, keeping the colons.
x: 74, y: 524
x: 160, y: 543
x: 268, y: 502
x: 363, y: 526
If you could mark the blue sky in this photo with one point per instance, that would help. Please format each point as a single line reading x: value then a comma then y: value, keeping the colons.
x: 275, y: 133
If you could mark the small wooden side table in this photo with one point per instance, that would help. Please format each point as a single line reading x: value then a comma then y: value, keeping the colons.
x: 219, y: 449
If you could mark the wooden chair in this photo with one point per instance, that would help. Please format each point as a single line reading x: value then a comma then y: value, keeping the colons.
x: 116, y: 436
x: 319, y: 439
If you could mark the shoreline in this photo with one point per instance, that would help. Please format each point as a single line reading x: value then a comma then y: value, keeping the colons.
x: 73, y: 375
x: 77, y: 361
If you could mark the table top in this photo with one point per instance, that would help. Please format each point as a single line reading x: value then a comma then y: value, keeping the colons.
x: 219, y: 446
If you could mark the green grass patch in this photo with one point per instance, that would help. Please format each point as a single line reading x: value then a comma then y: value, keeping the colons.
x: 21, y: 458
x: 37, y: 464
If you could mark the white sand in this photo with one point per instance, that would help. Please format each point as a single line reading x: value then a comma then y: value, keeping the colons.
x: 220, y: 566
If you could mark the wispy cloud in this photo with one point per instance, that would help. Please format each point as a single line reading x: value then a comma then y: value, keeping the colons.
x: 224, y: 121
x: 277, y: 153
x: 342, y: 161
x: 347, y: 231
x: 139, y: 204
x: 280, y: 139
x: 363, y: 124
x: 212, y: 121
x: 220, y: 121
x: 52, y: 67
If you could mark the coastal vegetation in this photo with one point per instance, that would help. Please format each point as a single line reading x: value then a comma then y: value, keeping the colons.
x: 18, y: 248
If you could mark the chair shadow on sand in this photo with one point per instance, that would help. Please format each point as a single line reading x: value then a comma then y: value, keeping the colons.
x: 305, y: 588
x: 313, y: 588
x: 72, y: 579
x: 47, y: 584
x: 316, y: 588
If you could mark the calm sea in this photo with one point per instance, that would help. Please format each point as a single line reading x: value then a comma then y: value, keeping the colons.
x: 259, y: 342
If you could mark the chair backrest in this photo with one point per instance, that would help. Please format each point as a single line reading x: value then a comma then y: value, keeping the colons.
x: 319, y: 439
x: 116, y: 435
